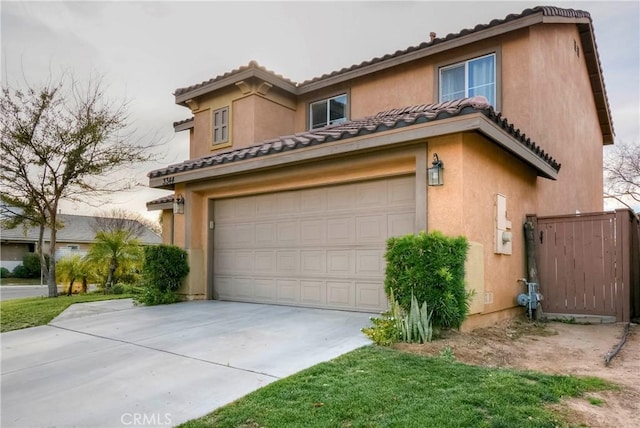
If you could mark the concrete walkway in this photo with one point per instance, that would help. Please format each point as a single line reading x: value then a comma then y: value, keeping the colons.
x: 109, y: 364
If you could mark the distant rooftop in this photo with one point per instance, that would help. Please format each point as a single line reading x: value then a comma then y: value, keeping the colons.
x: 77, y: 229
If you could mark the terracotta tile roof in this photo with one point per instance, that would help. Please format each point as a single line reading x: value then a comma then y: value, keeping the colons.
x: 162, y: 200
x: 383, y: 121
x: 251, y: 65
x: 183, y: 122
x: 545, y: 10
x: 586, y: 34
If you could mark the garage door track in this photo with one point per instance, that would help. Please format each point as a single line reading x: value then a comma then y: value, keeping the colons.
x: 109, y: 364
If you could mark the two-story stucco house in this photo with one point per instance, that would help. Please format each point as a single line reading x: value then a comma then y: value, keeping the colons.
x: 292, y: 189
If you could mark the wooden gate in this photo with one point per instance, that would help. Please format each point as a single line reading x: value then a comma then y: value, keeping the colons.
x: 589, y: 264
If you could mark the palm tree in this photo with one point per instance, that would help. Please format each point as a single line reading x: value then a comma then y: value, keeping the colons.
x: 116, y: 250
x: 70, y: 268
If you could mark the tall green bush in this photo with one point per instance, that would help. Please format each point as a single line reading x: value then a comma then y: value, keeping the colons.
x: 165, y: 266
x: 431, y: 267
x: 31, y: 262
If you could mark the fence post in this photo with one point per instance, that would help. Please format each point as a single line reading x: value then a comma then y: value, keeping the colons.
x: 624, y: 289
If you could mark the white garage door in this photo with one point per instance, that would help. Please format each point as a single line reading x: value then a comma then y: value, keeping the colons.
x: 321, y: 247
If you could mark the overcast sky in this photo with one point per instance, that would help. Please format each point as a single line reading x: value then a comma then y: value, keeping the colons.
x: 145, y: 50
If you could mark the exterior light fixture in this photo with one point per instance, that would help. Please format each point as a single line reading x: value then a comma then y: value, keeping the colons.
x: 435, y: 173
x: 178, y: 204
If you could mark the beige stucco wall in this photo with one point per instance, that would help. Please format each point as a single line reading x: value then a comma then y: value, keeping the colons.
x: 475, y: 170
x: 543, y: 90
x: 256, y: 113
x: 566, y: 126
x: 167, y: 227
x: 257, y: 118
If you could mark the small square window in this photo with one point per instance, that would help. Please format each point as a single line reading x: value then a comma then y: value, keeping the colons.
x: 221, y: 125
x: 468, y: 79
x: 329, y: 111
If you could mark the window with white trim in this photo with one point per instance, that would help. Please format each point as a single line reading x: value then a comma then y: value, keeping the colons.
x: 329, y: 111
x: 468, y: 79
x: 221, y: 125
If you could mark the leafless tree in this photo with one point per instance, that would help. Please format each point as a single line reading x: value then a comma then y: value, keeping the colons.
x: 62, y: 141
x: 622, y: 174
x: 118, y: 219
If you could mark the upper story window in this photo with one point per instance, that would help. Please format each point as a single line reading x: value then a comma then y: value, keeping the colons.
x: 469, y: 78
x: 221, y: 125
x: 328, y: 112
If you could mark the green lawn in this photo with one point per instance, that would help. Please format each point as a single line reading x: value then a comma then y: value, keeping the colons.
x: 34, y: 311
x: 380, y: 387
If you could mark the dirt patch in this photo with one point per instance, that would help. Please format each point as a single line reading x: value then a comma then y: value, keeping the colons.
x: 558, y: 348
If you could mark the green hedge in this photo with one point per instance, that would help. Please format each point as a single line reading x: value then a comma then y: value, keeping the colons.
x: 165, y: 266
x: 431, y: 266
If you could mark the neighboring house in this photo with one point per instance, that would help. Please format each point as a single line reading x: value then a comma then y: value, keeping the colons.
x: 292, y: 189
x: 74, y: 238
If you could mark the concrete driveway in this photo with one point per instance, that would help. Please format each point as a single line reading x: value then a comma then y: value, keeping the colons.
x: 109, y: 364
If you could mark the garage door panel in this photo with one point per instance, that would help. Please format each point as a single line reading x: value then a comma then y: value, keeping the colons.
x: 341, y: 230
x: 243, y: 261
x: 321, y: 247
x: 266, y: 206
x: 313, y: 201
x: 341, y: 198
x: 243, y: 287
x: 288, y: 202
x: 313, y: 231
x: 225, y: 288
x: 265, y: 290
x: 313, y: 292
x: 401, y: 191
x: 287, y: 262
x: 369, y: 295
x: 288, y: 290
x: 224, y: 236
x: 287, y: 232
x: 370, y: 262
x: 341, y: 293
x: 244, y: 235
x: 265, y: 262
x: 371, y: 228
x: 400, y: 224
x: 340, y: 262
x: 265, y: 234
x: 369, y: 195
x: 224, y: 262
x: 313, y: 262
x: 244, y: 209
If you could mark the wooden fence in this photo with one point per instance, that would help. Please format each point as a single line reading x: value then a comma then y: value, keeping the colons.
x: 589, y: 264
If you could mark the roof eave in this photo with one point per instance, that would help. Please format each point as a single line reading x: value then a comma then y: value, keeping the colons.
x: 159, y: 207
x: 596, y: 79
x: 395, y: 137
x: 423, y: 53
x: 507, y: 142
x: 232, y: 79
x: 183, y: 126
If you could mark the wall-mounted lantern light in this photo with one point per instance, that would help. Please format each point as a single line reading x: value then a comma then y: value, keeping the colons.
x: 435, y: 173
x: 178, y: 204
